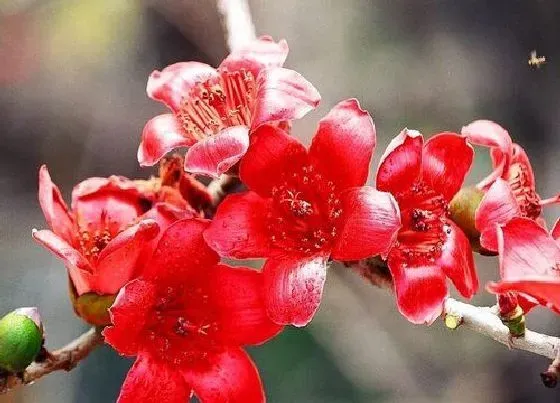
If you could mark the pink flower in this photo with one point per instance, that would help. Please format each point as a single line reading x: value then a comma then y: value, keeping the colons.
x: 185, y: 319
x: 429, y: 246
x: 215, y: 110
x: 304, y: 207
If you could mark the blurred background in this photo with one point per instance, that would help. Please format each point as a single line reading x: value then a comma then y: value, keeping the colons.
x: 72, y: 95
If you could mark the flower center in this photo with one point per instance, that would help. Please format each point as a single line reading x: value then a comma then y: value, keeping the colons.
x: 218, y: 103
x: 526, y: 196
x: 306, y: 211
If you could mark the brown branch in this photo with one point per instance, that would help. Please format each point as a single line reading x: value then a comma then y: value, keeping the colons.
x: 65, y: 359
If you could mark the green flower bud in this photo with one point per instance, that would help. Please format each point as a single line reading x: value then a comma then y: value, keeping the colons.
x: 21, y: 339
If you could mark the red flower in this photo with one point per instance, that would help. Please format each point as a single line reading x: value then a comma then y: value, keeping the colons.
x: 529, y: 263
x: 186, y: 319
x: 213, y: 111
x: 304, y: 207
x: 510, y: 189
x: 430, y: 247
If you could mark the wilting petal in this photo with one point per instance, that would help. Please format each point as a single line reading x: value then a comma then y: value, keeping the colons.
x: 174, y: 82
x: 371, y: 221
x: 128, y: 316
x: 421, y: 291
x: 216, y: 154
x: 497, y: 207
x: 344, y: 143
x: 293, y: 288
x: 446, y: 161
x: 151, y: 381
x: 270, y: 154
x: 401, y: 164
x: 282, y: 94
x: 256, y: 56
x: 53, y: 206
x: 231, y: 377
x: 545, y: 290
x: 239, y: 229
x: 457, y: 261
x: 239, y: 295
x: 161, y: 135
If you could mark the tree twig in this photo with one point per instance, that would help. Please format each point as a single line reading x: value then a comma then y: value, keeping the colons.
x: 65, y: 359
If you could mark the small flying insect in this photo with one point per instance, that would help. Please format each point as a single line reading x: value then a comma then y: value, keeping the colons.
x: 536, y: 61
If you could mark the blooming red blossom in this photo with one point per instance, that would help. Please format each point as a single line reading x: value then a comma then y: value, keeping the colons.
x: 214, y: 110
x: 529, y: 263
x: 429, y: 247
x: 510, y: 189
x: 186, y: 319
x: 305, y: 206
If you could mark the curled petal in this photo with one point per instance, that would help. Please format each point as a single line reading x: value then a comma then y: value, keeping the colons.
x: 53, y: 206
x: 401, y: 164
x: 371, y: 221
x: 344, y: 143
x: 293, y: 288
x: 545, y: 290
x: 217, y: 154
x: 446, y: 161
x: 161, y: 135
x: 488, y: 134
x: 175, y: 82
x: 283, y: 94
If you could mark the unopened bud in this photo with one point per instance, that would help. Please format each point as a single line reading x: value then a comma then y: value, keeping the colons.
x: 21, y: 339
x: 463, y: 208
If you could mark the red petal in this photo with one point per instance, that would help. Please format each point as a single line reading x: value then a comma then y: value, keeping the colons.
x: 239, y: 295
x: 401, y: 164
x: 421, y: 291
x: 488, y: 134
x: 457, y: 261
x: 556, y: 230
x: 128, y: 316
x: 446, y: 161
x: 498, y: 206
x: 113, y: 184
x: 293, y: 288
x: 161, y: 135
x: 526, y: 249
x: 151, y: 381
x: 545, y: 290
x: 256, y: 56
x: 174, y: 82
x: 217, y: 154
x: 78, y: 266
x: 371, y: 221
x: 344, y: 143
x: 282, y: 94
x: 239, y: 229
x: 271, y: 152
x: 53, y: 206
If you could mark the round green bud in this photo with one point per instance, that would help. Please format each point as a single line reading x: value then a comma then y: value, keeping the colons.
x: 21, y: 339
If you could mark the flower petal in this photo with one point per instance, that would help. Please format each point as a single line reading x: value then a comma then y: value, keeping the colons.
x: 457, y: 261
x: 256, y: 56
x: 282, y: 94
x: 151, y: 381
x: 371, y: 221
x: 446, y: 161
x: 497, y: 207
x: 239, y: 295
x: 231, y: 377
x: 217, y: 154
x: 545, y: 290
x: 344, y: 143
x: 488, y: 134
x: 271, y: 153
x: 421, y: 290
x: 293, y: 288
x: 53, y: 206
x: 556, y: 230
x: 401, y: 164
x: 174, y: 82
x: 239, y: 229
x: 160, y: 135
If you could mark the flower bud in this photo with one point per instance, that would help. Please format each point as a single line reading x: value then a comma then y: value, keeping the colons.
x: 21, y: 339
x: 463, y: 208
x: 91, y: 307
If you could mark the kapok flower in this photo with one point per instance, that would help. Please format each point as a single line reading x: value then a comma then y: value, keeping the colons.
x: 186, y: 319
x: 304, y: 207
x: 429, y: 247
x: 510, y: 189
x: 529, y: 263
x: 215, y: 110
